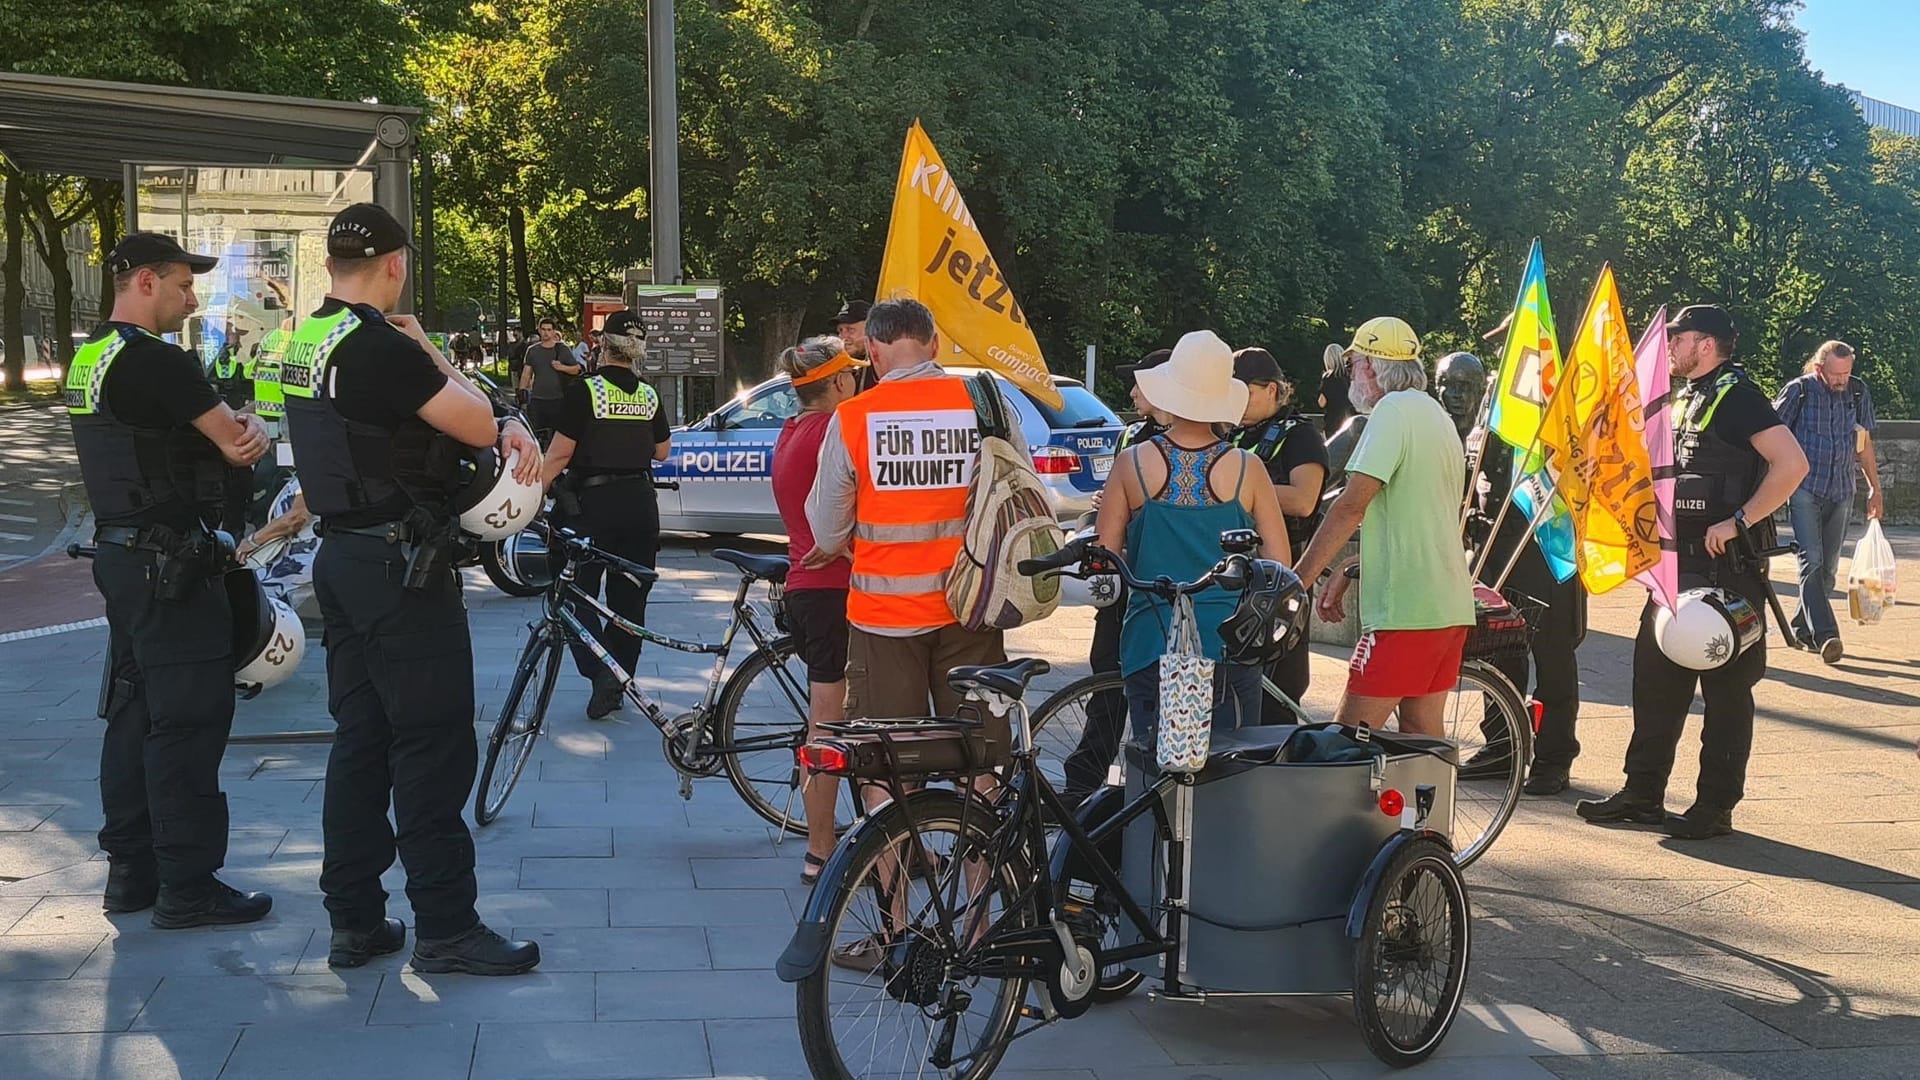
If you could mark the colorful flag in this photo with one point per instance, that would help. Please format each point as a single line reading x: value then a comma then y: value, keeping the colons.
x: 1593, y: 436
x: 1554, y: 534
x: 1655, y: 379
x: 936, y: 255
x: 1530, y: 362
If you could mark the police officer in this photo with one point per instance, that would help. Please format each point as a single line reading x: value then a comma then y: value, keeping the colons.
x: 609, y: 433
x: 1296, y: 459
x: 155, y: 444
x: 1086, y: 767
x: 1735, y: 464
x: 374, y: 413
x: 1555, y: 669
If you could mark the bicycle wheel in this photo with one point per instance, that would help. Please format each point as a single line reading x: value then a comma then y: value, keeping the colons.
x: 1491, y: 726
x: 765, y: 701
x: 1074, y: 760
x: 896, y: 988
x: 1410, y: 964
x: 517, y: 728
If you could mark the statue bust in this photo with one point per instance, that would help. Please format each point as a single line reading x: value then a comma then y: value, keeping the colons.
x: 1460, y: 383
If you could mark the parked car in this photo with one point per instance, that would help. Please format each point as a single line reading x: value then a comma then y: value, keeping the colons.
x: 724, y: 461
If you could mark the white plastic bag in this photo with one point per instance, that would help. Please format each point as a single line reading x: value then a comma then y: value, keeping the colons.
x: 1871, y: 578
x: 1186, y: 696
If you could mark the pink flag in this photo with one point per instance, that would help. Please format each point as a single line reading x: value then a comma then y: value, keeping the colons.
x: 1650, y: 365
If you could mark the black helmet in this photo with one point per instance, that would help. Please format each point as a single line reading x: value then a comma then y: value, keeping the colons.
x: 1266, y: 622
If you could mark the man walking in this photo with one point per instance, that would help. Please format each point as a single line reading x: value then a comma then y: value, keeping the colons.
x: 549, y: 364
x: 1830, y: 413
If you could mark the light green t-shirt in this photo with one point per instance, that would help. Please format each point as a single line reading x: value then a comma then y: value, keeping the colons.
x: 1413, y: 566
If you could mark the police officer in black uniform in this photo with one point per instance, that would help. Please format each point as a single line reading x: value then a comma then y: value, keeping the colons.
x: 155, y: 444
x: 1296, y: 459
x: 610, y: 431
x: 1086, y: 767
x: 374, y: 413
x: 1555, y: 669
x: 1735, y: 464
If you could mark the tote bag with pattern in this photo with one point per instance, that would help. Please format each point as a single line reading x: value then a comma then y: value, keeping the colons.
x: 1186, y: 695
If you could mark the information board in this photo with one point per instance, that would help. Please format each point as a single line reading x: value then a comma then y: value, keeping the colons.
x: 683, y: 327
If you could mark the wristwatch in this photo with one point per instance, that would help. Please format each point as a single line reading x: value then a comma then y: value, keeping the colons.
x: 1740, y: 516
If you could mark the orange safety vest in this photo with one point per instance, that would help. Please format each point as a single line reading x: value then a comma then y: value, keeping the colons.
x: 912, y: 443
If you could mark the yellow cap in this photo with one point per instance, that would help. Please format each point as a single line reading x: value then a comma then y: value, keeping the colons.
x: 1386, y: 338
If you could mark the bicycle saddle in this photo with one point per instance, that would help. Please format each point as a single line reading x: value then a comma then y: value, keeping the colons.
x: 766, y: 567
x: 1009, y: 678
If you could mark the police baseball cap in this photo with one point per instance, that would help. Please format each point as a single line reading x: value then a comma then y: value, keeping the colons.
x: 1257, y: 365
x: 363, y: 231
x: 153, y: 249
x: 624, y: 323
x: 852, y: 311
x: 1148, y: 362
x: 1704, y: 319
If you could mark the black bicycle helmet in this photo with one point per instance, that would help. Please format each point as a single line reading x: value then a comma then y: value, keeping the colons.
x: 1266, y: 622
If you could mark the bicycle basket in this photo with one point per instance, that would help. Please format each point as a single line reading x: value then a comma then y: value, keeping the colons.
x: 1503, y: 623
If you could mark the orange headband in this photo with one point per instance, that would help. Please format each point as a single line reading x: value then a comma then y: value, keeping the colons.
x: 839, y: 363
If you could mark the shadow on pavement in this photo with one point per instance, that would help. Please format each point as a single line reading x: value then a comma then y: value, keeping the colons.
x: 1760, y: 855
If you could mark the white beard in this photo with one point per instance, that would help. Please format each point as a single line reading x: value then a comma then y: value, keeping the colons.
x: 1362, y: 403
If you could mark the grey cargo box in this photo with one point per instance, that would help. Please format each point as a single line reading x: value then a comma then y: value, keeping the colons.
x: 1274, y: 844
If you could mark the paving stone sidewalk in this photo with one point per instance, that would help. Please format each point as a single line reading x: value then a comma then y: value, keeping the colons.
x: 1788, y: 950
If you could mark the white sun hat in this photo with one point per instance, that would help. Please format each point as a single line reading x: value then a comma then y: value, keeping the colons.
x: 1196, y: 383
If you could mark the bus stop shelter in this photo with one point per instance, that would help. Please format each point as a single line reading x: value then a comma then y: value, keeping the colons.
x: 250, y: 178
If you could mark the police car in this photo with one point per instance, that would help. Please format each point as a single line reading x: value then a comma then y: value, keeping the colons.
x: 724, y: 462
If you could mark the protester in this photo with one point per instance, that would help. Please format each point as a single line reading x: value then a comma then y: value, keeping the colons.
x: 904, y: 532
x: 850, y: 325
x: 1735, y: 463
x: 1086, y: 767
x: 1164, y: 507
x: 1295, y: 457
x: 1830, y: 412
x: 823, y: 376
x: 1405, y: 479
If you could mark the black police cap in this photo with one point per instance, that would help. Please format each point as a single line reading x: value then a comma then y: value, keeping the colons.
x: 1148, y: 362
x: 1704, y: 319
x: 624, y: 323
x: 853, y: 311
x: 154, y: 249
x: 363, y: 231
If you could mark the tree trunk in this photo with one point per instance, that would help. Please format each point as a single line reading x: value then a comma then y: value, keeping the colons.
x: 779, y: 328
x: 108, y: 216
x: 522, y: 280
x: 13, y: 292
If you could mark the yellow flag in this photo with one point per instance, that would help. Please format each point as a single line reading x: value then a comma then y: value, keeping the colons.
x: 1593, y: 436
x: 936, y: 255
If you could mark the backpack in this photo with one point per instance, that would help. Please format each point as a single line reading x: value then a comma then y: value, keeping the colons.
x: 1009, y: 518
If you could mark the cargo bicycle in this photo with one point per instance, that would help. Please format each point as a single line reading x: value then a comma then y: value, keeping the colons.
x: 952, y: 922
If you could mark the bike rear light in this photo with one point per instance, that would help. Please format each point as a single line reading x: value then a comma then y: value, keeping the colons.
x: 1055, y: 461
x: 822, y: 758
x: 1392, y: 802
x: 1537, y: 710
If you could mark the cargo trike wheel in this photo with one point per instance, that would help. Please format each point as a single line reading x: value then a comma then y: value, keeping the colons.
x: 1410, y: 964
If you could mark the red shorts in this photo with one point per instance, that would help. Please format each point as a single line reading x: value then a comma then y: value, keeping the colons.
x: 1406, y: 663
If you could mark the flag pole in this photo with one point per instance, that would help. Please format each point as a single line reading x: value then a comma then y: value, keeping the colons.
x: 1480, y: 422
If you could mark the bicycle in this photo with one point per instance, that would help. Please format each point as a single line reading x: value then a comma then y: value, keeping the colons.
x: 1487, y: 718
x: 747, y: 724
x: 1015, y: 890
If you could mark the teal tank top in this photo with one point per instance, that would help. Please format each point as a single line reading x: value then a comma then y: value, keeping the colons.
x: 1176, y: 534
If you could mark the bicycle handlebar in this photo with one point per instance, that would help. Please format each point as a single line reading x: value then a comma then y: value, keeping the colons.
x: 1229, y: 573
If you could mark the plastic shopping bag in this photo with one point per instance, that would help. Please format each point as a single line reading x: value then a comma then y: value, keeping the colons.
x: 1186, y: 696
x: 1870, y: 580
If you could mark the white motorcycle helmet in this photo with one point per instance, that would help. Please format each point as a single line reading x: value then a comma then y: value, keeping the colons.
x: 492, y: 504
x: 268, y: 640
x: 1707, y: 628
x: 1099, y: 590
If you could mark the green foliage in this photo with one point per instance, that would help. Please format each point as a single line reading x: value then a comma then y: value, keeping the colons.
x: 1278, y: 170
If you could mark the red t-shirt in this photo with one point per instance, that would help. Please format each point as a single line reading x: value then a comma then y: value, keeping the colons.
x: 796, y: 461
